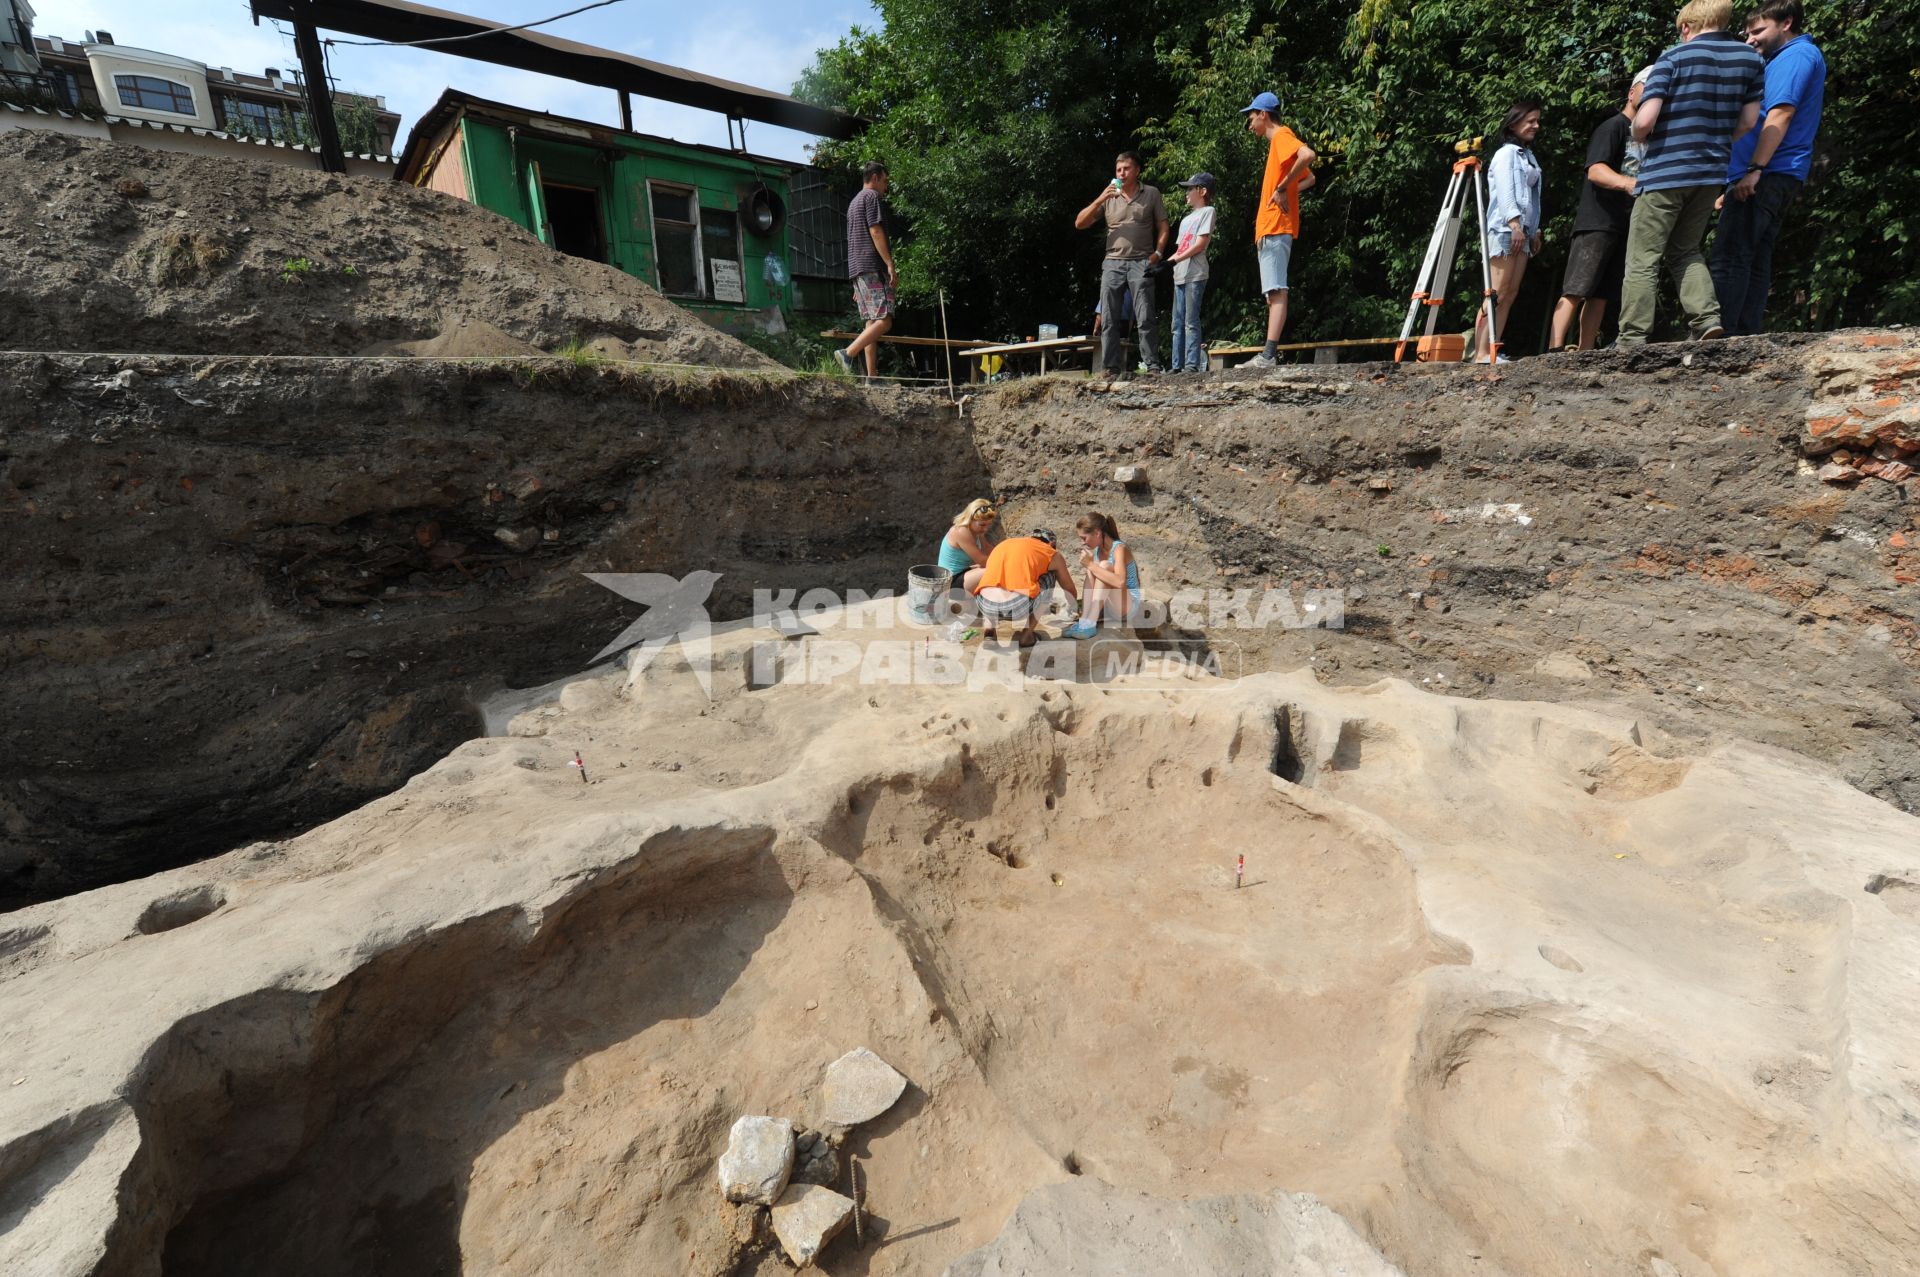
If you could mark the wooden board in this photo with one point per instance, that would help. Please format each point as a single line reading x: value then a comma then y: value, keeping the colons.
x: 1035, y: 347
x: 954, y: 343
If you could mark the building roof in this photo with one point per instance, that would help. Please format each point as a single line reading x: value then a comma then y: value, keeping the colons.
x: 403, y: 21
x: 453, y: 104
x: 164, y: 127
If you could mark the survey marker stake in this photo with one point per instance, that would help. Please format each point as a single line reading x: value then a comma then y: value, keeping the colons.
x: 581, y: 764
x: 1239, y: 870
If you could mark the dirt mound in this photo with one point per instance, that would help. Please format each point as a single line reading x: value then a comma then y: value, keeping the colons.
x: 190, y: 254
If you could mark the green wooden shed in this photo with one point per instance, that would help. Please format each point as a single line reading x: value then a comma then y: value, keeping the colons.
x: 743, y: 240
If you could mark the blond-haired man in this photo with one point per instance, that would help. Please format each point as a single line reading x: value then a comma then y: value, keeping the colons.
x: 1704, y: 92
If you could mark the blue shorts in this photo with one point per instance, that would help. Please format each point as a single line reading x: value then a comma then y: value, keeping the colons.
x: 1275, y: 252
x: 1500, y: 243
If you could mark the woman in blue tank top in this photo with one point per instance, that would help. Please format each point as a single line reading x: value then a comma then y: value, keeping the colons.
x: 963, y: 551
x: 1113, y: 577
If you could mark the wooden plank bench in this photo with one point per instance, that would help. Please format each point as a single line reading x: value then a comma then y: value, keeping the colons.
x: 1056, y: 346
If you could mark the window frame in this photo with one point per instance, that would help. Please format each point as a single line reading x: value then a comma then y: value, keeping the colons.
x: 692, y: 194
x: 270, y: 120
x: 130, y: 81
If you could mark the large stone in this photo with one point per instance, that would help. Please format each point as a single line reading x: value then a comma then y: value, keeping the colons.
x: 758, y: 1160
x: 860, y: 1087
x: 806, y: 1218
x: 1132, y: 478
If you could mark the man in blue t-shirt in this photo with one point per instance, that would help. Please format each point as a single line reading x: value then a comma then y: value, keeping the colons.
x: 1769, y: 164
x: 1704, y: 92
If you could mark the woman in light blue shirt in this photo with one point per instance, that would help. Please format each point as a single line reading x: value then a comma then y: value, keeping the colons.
x: 1513, y: 218
x: 964, y: 549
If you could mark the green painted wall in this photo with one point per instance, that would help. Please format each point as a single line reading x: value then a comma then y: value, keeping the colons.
x: 498, y: 166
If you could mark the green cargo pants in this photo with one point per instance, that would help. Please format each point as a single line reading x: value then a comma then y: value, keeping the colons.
x: 1668, y: 225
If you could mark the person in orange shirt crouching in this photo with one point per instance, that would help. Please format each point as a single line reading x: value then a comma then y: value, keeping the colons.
x: 1019, y: 580
x: 1289, y: 172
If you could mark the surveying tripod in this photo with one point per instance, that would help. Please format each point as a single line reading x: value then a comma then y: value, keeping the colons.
x: 1430, y: 289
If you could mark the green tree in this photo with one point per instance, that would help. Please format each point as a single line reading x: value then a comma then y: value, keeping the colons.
x: 998, y: 126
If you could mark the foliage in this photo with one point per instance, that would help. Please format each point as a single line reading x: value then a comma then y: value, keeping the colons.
x: 805, y: 352
x: 1000, y: 123
x: 296, y: 269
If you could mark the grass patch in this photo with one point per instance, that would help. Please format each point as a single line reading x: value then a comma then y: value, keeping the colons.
x: 580, y: 355
x: 187, y: 257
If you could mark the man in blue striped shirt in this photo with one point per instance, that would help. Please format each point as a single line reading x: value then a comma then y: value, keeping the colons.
x: 1704, y: 92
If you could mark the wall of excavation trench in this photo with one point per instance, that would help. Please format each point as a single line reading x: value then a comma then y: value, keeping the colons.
x: 245, y: 595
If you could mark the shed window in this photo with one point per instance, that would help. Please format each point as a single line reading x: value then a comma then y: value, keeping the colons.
x: 150, y: 93
x: 676, y: 240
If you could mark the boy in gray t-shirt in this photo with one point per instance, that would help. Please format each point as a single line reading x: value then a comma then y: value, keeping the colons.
x: 1190, y: 274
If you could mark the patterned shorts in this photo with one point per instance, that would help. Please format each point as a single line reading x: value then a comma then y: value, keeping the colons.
x: 874, y: 296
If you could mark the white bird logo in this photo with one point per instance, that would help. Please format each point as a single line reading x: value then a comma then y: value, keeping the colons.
x: 676, y: 613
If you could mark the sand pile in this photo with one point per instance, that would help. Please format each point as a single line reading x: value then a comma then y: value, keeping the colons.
x: 200, y: 255
x: 1512, y: 989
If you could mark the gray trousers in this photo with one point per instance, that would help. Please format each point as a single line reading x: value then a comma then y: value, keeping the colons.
x: 1116, y: 277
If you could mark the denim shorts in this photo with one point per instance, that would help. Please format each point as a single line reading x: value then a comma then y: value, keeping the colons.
x: 1275, y: 252
x: 1500, y: 242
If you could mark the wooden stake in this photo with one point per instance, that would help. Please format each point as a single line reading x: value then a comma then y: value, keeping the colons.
x: 948, y: 348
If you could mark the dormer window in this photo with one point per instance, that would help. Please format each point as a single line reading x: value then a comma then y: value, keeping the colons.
x: 151, y: 93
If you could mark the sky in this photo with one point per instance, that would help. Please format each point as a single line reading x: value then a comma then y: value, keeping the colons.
x: 757, y: 42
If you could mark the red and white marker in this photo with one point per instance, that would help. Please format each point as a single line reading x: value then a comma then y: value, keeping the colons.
x: 1239, y: 870
x: 581, y: 764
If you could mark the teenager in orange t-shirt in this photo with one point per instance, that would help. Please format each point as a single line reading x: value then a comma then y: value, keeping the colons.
x: 1018, y: 582
x: 1289, y: 172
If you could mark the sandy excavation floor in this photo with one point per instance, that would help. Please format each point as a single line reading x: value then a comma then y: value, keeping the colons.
x: 1513, y: 988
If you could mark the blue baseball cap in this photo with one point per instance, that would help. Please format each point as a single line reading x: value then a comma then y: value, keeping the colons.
x: 1200, y: 179
x: 1265, y: 102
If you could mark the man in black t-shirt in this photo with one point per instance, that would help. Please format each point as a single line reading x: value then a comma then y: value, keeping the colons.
x: 1596, y: 260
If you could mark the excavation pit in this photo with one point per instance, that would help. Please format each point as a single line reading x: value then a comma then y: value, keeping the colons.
x: 515, y: 1041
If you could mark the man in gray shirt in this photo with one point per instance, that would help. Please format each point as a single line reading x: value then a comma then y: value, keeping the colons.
x: 1136, y: 219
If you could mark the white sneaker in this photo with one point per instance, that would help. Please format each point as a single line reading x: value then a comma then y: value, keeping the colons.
x: 1262, y: 360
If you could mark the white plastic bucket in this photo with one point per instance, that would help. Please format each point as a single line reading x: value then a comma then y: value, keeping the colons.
x: 927, y: 587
